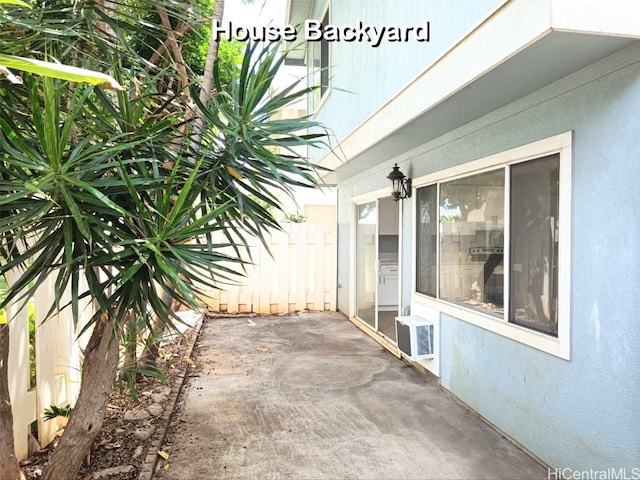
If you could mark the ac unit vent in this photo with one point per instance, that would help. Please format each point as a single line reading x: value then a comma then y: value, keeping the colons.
x: 415, y: 337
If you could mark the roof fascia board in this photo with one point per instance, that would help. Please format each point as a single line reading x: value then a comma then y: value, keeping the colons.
x: 492, y: 42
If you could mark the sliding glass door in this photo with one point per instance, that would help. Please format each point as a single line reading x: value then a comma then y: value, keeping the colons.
x: 366, y: 261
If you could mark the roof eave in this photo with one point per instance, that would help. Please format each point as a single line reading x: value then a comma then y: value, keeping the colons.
x: 490, y: 67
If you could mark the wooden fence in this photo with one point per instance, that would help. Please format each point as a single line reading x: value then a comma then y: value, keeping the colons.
x: 298, y: 274
x: 44, y: 366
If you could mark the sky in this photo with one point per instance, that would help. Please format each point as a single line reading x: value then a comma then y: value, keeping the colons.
x: 263, y: 12
x: 259, y: 12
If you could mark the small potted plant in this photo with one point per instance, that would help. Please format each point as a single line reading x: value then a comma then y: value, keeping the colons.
x: 61, y: 414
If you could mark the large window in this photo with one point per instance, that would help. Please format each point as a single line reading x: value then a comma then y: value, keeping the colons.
x: 488, y: 242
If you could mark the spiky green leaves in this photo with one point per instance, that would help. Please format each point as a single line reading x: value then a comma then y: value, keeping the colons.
x: 55, y: 70
x: 107, y: 191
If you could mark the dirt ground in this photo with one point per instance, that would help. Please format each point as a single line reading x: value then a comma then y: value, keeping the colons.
x: 117, y: 444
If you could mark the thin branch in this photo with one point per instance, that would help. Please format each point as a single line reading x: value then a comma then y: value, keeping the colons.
x: 174, y: 46
x: 207, y: 79
x: 180, y: 30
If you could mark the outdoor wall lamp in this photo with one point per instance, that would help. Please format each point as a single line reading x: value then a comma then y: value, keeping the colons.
x: 401, y: 184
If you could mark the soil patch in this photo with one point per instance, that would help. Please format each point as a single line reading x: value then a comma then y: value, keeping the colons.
x: 131, y: 428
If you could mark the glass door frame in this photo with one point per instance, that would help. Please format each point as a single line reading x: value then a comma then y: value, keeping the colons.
x: 356, y: 202
x: 368, y: 264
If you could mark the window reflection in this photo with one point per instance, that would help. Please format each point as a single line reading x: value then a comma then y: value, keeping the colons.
x: 534, y: 244
x: 472, y: 241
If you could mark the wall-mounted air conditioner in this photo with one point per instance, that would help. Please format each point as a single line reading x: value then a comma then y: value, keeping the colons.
x: 415, y: 337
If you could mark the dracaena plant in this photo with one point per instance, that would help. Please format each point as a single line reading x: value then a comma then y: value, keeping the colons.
x: 110, y: 191
x: 9, y: 43
x: 49, y: 69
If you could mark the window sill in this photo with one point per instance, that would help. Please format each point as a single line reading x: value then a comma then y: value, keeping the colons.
x: 559, y: 347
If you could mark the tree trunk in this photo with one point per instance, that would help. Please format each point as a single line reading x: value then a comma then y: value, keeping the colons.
x: 98, y: 373
x: 212, y: 54
x: 207, y: 79
x: 149, y: 358
x: 9, y: 468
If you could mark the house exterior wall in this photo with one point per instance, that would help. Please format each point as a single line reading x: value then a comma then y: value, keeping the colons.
x: 580, y: 414
x: 390, y: 65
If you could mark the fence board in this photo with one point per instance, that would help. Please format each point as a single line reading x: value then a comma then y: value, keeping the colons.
x: 301, y: 275
x: 22, y: 400
x: 57, y: 364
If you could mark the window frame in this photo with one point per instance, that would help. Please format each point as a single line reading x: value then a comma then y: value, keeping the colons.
x: 558, y: 346
x: 317, y: 100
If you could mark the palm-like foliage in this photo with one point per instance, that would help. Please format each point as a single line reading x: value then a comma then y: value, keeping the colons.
x: 248, y: 155
x: 114, y: 189
x: 50, y: 69
x: 74, y: 201
x: 98, y: 189
x: 94, y: 34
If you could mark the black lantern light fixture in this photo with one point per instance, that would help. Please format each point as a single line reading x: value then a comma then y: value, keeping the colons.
x: 401, y: 184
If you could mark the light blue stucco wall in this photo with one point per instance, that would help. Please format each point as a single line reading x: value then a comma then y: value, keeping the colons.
x: 583, y: 413
x: 353, y: 96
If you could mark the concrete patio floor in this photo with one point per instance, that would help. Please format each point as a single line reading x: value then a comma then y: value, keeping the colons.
x: 313, y: 397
